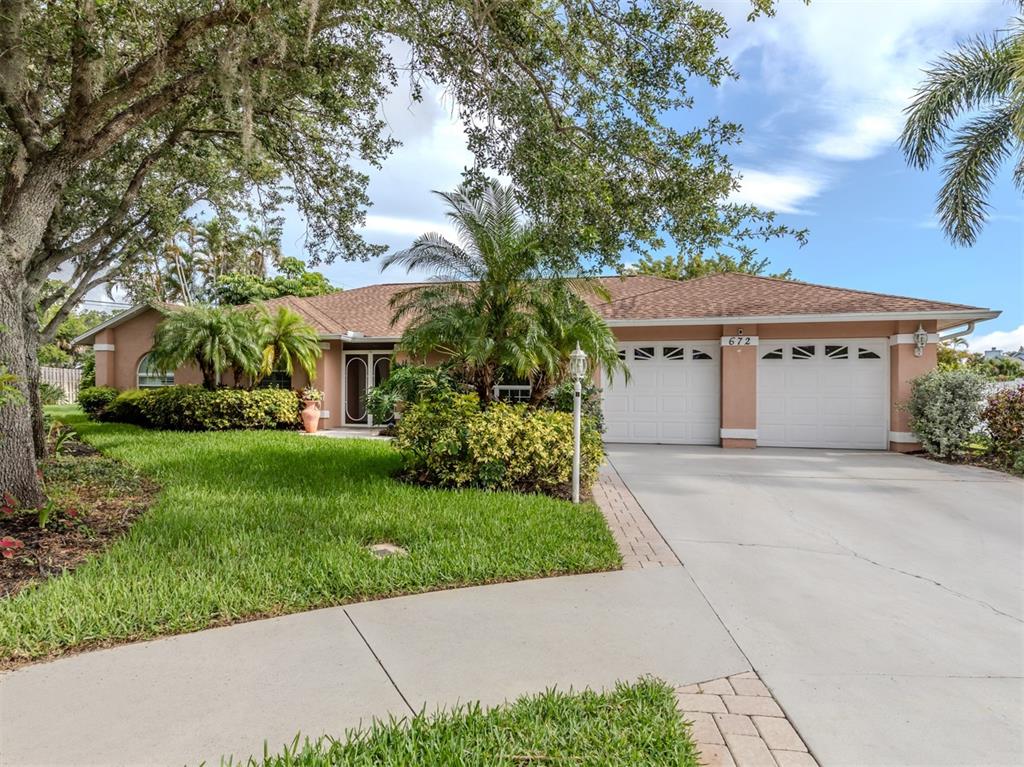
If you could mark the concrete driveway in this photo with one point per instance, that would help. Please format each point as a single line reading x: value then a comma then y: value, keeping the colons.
x: 880, y: 596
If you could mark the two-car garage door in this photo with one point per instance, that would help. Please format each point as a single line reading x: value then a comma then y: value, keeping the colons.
x: 817, y: 393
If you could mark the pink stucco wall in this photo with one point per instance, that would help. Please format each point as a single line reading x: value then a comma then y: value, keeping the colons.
x: 133, y: 339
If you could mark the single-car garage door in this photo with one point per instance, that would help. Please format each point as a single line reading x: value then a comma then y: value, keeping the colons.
x: 823, y: 393
x: 672, y: 395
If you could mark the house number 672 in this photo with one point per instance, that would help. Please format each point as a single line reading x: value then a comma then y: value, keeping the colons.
x: 739, y: 340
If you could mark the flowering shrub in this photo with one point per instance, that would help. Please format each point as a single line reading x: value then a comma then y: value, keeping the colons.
x: 450, y: 441
x: 1004, y: 417
x: 945, y: 408
x: 94, y: 399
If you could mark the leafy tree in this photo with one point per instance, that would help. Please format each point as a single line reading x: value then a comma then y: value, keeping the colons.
x: 685, y: 267
x: 215, y: 338
x: 294, y: 280
x: 983, y: 77
x: 117, y: 118
x: 497, y: 307
x: 286, y: 339
x: 954, y: 356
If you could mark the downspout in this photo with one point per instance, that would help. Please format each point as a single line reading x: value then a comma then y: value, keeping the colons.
x: 960, y: 333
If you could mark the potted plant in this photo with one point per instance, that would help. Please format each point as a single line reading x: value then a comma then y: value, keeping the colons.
x: 311, y: 398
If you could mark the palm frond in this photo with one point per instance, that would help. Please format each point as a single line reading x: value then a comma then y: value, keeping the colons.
x: 975, y: 76
x: 978, y: 151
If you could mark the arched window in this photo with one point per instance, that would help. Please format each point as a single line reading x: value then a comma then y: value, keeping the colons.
x: 150, y: 378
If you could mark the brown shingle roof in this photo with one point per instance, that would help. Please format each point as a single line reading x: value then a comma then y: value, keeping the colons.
x: 744, y: 295
x: 639, y: 298
x: 643, y: 298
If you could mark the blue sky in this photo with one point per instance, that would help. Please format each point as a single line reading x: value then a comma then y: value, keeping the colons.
x: 820, y: 95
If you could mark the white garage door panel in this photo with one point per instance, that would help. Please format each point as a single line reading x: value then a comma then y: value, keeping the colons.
x: 823, y: 393
x: 672, y: 395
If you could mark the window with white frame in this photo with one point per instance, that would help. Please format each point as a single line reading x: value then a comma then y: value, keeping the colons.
x: 513, y: 393
x: 150, y: 377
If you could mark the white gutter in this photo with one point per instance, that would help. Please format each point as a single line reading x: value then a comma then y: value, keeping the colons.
x: 959, y: 333
x: 964, y: 315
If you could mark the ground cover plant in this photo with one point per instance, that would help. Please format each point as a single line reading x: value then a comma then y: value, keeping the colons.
x: 93, y: 500
x: 252, y: 524
x: 631, y: 725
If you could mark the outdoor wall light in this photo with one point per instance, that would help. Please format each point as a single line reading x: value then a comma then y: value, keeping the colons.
x: 920, y: 340
x: 577, y: 369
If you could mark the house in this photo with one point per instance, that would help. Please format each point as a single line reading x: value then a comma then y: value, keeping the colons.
x: 995, y: 354
x: 728, y: 359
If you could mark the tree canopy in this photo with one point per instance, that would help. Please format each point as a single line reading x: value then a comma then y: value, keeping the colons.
x: 293, y: 280
x: 117, y: 117
x: 683, y: 267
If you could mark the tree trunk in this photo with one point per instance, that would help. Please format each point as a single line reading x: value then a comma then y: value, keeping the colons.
x: 25, y: 215
x: 17, y: 450
x: 33, y: 376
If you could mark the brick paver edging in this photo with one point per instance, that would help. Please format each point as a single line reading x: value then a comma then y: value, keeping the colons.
x: 736, y: 722
x: 639, y: 541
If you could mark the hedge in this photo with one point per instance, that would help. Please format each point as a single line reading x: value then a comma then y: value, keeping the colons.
x: 449, y: 441
x: 94, y: 399
x: 193, y: 408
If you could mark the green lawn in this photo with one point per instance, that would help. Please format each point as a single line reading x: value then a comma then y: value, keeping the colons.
x: 261, y: 523
x: 632, y: 725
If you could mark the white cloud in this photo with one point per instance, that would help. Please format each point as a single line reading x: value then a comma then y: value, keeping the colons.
x: 852, y: 67
x: 410, y: 228
x: 782, y: 192
x: 1007, y: 340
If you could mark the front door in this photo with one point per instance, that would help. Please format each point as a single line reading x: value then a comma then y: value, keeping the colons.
x: 363, y: 371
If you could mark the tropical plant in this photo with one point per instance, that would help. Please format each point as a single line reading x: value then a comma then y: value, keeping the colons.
x: 311, y: 394
x: 215, y: 338
x: 495, y: 306
x: 406, y: 385
x: 287, y: 340
x: 983, y: 77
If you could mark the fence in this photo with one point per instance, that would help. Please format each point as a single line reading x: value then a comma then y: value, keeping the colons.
x: 67, y: 380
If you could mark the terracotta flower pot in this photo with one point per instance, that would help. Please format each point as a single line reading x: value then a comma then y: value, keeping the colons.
x: 311, y: 416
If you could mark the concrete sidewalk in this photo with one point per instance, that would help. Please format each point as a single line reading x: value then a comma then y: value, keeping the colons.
x: 226, y: 691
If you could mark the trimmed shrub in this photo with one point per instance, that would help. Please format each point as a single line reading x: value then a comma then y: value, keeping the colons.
x: 449, y: 441
x: 1004, y: 417
x: 94, y: 398
x: 945, y: 408
x: 126, y: 407
x: 560, y: 400
x: 193, y: 408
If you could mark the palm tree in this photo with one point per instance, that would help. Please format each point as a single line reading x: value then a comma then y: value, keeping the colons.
x: 215, y: 338
x: 984, y: 76
x: 492, y: 304
x: 286, y: 339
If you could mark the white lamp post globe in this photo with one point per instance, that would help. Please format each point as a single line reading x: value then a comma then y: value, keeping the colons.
x: 577, y: 363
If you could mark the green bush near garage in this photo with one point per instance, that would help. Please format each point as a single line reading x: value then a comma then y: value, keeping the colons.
x: 451, y: 441
x: 945, y: 409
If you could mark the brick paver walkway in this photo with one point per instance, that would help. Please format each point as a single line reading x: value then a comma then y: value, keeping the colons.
x: 640, y: 543
x: 736, y: 722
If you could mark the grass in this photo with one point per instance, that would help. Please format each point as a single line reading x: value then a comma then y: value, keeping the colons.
x: 252, y: 524
x: 632, y: 725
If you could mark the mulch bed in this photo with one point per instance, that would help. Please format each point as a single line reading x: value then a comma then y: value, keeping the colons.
x: 95, y: 500
x: 984, y: 461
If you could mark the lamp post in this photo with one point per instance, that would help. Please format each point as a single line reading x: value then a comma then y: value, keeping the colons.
x: 577, y: 369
